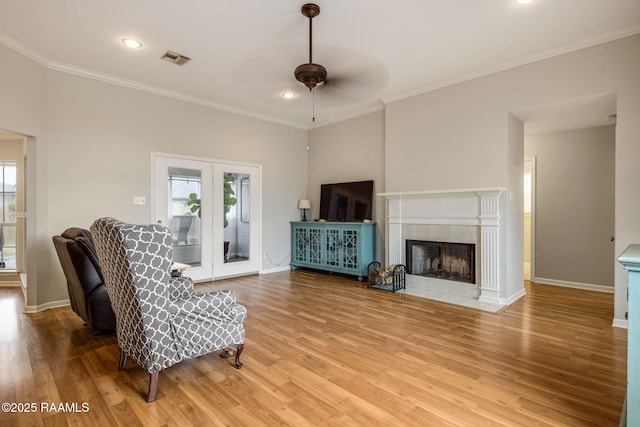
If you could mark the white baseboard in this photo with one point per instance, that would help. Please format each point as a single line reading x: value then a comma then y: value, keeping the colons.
x: 620, y: 323
x: 576, y: 285
x: 275, y: 269
x: 513, y: 298
x: 46, y: 306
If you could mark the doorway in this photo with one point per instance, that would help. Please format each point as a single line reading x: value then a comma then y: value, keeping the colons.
x: 212, y: 209
x: 572, y: 217
x: 572, y: 145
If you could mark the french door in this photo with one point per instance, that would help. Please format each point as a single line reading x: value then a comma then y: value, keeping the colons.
x: 236, y: 207
x: 183, y: 203
x: 213, y: 211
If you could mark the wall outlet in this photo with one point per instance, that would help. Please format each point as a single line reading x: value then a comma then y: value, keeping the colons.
x: 139, y: 200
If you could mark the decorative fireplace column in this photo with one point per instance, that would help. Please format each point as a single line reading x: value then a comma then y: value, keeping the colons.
x: 394, y: 224
x: 477, y: 207
x: 490, y: 245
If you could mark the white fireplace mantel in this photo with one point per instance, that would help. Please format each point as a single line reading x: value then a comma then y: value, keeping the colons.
x: 481, y: 207
x: 409, y: 194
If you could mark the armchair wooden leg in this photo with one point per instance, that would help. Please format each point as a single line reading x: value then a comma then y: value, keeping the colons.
x: 153, y: 386
x: 239, y: 349
x: 123, y: 360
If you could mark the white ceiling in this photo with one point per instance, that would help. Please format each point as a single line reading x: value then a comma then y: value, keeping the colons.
x: 244, y: 52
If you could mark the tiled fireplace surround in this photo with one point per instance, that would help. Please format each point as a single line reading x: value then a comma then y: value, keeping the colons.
x: 455, y: 216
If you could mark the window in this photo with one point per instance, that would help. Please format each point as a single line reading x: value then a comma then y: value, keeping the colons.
x: 8, y: 215
x: 185, y: 193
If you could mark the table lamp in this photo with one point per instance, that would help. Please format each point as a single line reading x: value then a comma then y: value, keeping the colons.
x: 304, y: 204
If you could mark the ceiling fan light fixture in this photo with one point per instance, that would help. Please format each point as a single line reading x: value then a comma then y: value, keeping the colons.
x: 310, y: 74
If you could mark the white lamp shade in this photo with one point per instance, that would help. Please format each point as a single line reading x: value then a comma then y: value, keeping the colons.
x: 304, y: 204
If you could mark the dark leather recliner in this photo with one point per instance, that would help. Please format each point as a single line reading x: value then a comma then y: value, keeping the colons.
x: 87, y: 292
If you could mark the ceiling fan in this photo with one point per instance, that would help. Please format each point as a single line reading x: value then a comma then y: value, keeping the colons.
x: 358, y: 78
x: 353, y: 76
x: 310, y: 74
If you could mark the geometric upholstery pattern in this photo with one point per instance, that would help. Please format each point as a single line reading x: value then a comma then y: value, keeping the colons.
x: 160, y: 320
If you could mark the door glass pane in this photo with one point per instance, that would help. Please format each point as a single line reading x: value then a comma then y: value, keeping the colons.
x: 8, y: 215
x: 236, y: 217
x: 185, y: 194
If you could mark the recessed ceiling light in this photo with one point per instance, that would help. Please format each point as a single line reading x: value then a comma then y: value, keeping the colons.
x: 132, y: 43
x: 288, y: 95
x: 523, y: 2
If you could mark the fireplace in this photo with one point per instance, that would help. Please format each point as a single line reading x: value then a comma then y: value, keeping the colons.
x: 471, y: 215
x: 441, y: 260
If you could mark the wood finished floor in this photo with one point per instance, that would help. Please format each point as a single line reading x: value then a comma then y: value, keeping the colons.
x: 325, y: 350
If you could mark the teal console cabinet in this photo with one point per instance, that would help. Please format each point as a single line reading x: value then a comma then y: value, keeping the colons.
x: 630, y: 258
x: 340, y: 247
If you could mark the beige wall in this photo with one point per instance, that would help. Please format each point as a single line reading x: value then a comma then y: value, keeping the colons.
x: 515, y: 206
x: 93, y: 152
x: 348, y: 151
x: 23, y: 90
x: 460, y: 136
x: 466, y: 136
x: 574, y: 205
x: 462, y: 132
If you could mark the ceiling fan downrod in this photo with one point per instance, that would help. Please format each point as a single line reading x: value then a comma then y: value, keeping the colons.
x: 310, y: 74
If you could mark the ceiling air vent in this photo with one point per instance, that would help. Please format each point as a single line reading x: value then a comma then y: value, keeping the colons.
x: 175, y: 58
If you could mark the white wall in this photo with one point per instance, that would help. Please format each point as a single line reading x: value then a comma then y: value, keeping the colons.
x: 461, y: 131
x: 515, y: 207
x: 23, y: 111
x: 454, y: 137
x: 627, y: 204
x: 349, y: 151
x: 574, y: 206
x: 93, y: 155
x: 463, y: 136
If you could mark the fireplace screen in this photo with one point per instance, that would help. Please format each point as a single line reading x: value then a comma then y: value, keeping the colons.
x: 442, y: 260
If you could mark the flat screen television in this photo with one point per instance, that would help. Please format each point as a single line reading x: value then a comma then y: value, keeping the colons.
x: 346, y: 201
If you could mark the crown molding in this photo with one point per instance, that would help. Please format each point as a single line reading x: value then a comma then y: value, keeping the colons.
x: 111, y: 79
x: 24, y: 50
x: 560, y: 50
x: 131, y: 84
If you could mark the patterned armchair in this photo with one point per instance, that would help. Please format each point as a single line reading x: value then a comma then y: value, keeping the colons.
x: 160, y: 320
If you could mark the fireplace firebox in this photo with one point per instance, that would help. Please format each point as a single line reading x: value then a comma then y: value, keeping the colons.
x: 441, y: 260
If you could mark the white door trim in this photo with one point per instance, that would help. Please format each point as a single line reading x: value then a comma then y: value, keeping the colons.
x: 219, y: 269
